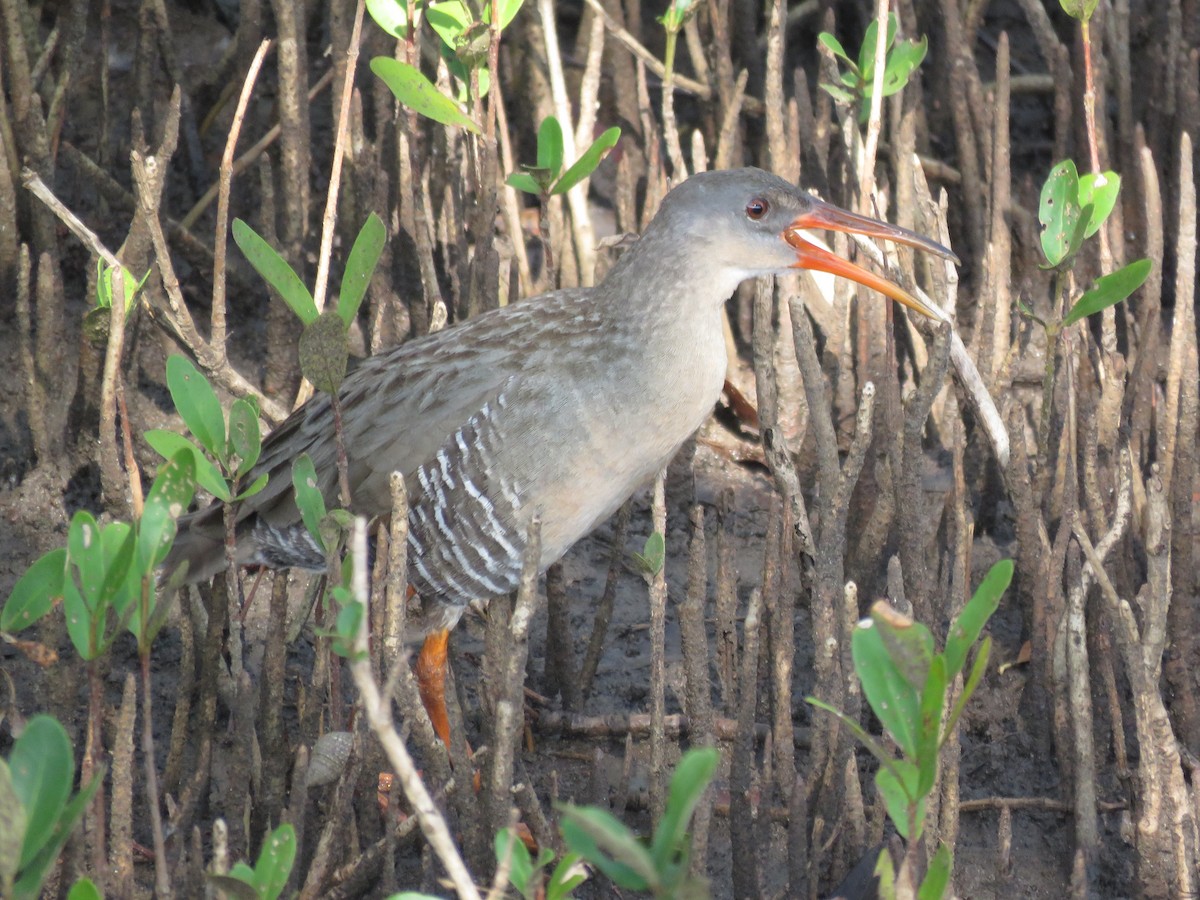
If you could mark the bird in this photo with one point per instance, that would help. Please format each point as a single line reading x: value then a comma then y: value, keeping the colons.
x: 558, y: 406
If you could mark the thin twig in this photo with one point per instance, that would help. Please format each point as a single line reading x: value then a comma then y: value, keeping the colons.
x: 379, y: 715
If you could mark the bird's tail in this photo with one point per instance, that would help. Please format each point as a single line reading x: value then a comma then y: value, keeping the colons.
x: 200, y: 544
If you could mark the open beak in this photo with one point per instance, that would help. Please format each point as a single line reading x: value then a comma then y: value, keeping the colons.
x: 832, y: 218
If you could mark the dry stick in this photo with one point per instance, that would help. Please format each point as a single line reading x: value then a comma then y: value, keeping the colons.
x: 779, y: 160
x: 224, y: 180
x: 559, y: 648
x: 604, y: 609
x: 271, y: 738
x: 333, y: 842
x: 961, y: 69
x: 509, y: 704
x: 379, y: 715
x: 866, y: 169
x: 581, y: 220
x: 1185, y: 280
x: 510, y: 208
x: 999, y: 248
x: 657, y: 582
x: 982, y: 402
x: 120, y: 855
x: 652, y: 63
x: 248, y: 158
x: 149, y: 174
x: 699, y: 684
x: 35, y: 396
x: 1165, y: 818
x: 725, y: 603
x: 617, y: 725
x: 741, y: 767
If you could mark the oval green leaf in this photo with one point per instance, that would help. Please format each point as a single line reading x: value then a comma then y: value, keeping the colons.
x: 586, y: 164
x: 42, y: 767
x: 1110, y: 290
x: 550, y: 147
x: 198, y: 404
x: 419, y: 94
x: 275, y: 271
x: 35, y: 592
x: 360, y: 266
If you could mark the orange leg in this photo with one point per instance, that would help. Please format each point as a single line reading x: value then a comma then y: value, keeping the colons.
x: 431, y: 681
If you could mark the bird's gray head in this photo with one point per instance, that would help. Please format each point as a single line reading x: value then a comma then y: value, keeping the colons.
x: 740, y: 223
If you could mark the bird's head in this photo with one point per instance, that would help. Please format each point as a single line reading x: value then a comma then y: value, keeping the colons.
x: 747, y: 222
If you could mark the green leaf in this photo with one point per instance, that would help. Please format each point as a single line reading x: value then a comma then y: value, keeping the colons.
x: 237, y: 884
x: 835, y: 47
x: 508, y: 11
x: 523, y: 181
x: 275, y: 862
x: 586, y: 164
x: 933, y: 698
x: 259, y: 483
x: 308, y: 496
x: 569, y: 874
x: 168, y: 443
x: 1110, y: 290
x: 865, y: 738
x: 168, y: 499
x: 324, y: 352
x: 391, y: 16
x: 42, y: 767
x: 85, y: 552
x: 653, y: 555
x: 1059, y: 211
x: 605, y: 842
x: 35, y: 592
x: 449, y: 19
x: 12, y: 828
x: 520, y: 863
x: 275, y: 271
x: 550, y: 147
x: 866, y: 53
x: 419, y: 94
x: 1101, y: 191
x: 360, y: 266
x: 198, y: 404
x: 898, y: 792
x: 892, y: 698
x: 84, y: 889
x: 35, y: 873
x: 885, y: 871
x: 838, y: 93
x: 969, y: 624
x: 245, y: 437
x: 901, y: 63
x: 346, y: 626
x: 937, y: 877
x: 909, y: 644
x: 119, y: 541
x: 1079, y: 9
x: 692, y: 775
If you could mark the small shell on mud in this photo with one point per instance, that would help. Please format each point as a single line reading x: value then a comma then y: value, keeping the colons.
x: 329, y: 755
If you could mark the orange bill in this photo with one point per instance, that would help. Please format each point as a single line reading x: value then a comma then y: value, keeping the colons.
x: 832, y: 218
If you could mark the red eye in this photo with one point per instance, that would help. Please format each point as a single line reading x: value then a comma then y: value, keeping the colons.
x: 757, y: 208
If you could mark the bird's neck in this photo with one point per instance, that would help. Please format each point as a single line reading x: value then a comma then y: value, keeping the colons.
x: 662, y: 282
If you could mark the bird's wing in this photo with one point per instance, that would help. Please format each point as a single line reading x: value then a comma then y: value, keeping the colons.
x: 398, y: 408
